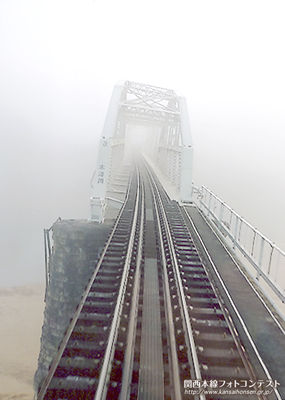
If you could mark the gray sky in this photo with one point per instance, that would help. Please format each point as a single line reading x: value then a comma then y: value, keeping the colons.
x: 59, y: 62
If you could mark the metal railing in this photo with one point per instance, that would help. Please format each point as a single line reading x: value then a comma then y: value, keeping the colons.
x: 262, y: 254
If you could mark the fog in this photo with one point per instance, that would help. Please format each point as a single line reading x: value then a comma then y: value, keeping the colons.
x: 59, y: 62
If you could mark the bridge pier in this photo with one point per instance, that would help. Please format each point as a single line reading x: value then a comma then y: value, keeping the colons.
x: 76, y: 248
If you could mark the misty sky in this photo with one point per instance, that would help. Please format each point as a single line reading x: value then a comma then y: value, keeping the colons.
x: 59, y: 60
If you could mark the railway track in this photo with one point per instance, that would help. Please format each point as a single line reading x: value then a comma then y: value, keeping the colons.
x: 96, y: 333
x: 207, y: 343
x: 150, y: 318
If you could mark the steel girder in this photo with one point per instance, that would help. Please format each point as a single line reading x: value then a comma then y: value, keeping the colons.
x: 162, y: 110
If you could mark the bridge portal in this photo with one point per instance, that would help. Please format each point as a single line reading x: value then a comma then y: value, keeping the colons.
x: 149, y: 120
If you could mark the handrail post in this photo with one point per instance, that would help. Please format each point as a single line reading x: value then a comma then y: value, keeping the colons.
x: 209, y: 203
x: 236, y: 231
x: 260, y: 257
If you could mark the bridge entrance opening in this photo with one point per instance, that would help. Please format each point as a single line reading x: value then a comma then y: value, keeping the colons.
x: 153, y: 121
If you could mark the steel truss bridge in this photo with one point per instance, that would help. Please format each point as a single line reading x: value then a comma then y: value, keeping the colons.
x: 168, y: 312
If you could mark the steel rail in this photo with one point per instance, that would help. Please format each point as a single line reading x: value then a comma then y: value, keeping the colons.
x: 243, y: 355
x: 108, y: 356
x: 189, y: 330
x: 131, y: 338
x: 168, y: 314
x: 54, y: 365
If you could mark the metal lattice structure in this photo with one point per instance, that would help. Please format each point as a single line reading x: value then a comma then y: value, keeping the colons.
x: 160, y: 116
x: 167, y: 309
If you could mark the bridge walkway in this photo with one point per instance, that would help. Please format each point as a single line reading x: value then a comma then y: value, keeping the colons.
x: 263, y: 329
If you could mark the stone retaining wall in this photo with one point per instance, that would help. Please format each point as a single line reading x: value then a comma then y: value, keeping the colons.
x: 76, y: 249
